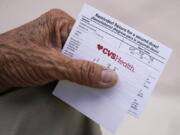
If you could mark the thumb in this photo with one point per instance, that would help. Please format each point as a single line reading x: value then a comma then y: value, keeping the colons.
x: 89, y: 74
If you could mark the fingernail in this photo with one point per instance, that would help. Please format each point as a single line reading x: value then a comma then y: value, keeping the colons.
x: 108, y: 76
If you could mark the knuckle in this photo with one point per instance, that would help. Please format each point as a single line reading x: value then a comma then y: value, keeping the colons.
x: 55, y: 11
x: 60, y: 18
x: 87, y: 71
x: 58, y: 13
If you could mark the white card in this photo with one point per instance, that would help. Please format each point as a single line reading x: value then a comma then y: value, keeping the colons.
x: 102, y: 39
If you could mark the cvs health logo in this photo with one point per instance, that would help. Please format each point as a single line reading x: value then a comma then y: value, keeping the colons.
x: 115, y: 57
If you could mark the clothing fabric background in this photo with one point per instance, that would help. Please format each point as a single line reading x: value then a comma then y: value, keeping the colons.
x: 158, y: 19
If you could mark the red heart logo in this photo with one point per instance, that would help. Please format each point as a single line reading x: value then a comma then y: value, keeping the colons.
x: 99, y: 47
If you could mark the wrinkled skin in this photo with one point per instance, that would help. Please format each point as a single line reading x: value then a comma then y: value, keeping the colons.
x: 30, y: 55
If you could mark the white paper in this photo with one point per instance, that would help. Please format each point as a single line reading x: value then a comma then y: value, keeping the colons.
x: 102, y: 39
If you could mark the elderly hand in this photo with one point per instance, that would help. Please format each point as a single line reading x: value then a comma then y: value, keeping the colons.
x: 30, y: 56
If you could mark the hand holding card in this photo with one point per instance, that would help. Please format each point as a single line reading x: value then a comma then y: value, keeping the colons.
x: 135, y: 57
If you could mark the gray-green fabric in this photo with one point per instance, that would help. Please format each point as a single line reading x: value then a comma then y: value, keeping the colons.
x: 35, y: 111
